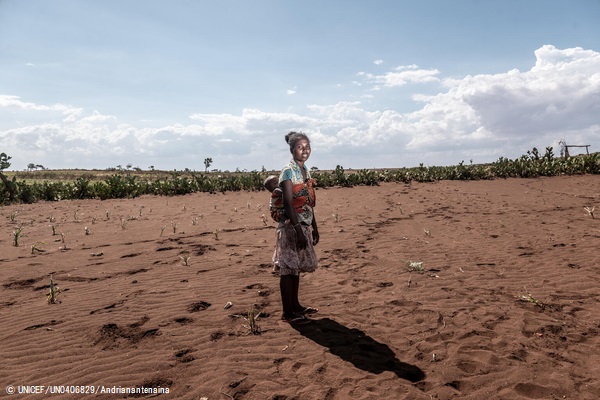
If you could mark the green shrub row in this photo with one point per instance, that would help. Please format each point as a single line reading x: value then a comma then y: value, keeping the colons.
x: 530, y: 165
x: 129, y: 185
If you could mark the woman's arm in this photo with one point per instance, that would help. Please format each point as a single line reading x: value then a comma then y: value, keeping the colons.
x: 315, y: 230
x: 288, y: 195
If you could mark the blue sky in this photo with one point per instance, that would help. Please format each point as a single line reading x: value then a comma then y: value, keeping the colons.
x: 375, y: 84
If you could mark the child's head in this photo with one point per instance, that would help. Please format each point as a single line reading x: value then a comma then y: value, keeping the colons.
x: 271, y: 183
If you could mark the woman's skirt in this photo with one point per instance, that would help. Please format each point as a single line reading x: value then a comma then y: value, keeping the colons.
x: 287, y: 257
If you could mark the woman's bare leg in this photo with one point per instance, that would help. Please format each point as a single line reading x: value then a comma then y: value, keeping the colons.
x: 286, y: 286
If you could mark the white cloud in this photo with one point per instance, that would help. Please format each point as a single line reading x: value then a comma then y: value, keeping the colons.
x: 96, y: 117
x: 290, y: 92
x: 378, y: 62
x: 7, y: 101
x: 560, y: 93
x: 480, y: 117
x: 403, y: 75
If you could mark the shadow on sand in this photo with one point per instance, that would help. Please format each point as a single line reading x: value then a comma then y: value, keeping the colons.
x: 358, y: 348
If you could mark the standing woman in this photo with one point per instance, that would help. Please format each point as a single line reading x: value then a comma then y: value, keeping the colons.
x: 294, y: 250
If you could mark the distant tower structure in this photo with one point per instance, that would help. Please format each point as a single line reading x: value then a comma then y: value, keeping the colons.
x: 564, y: 150
x: 565, y: 146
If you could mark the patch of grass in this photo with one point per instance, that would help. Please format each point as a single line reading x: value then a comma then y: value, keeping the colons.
x: 415, y: 266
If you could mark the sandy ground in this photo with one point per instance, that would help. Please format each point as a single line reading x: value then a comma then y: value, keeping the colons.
x: 506, y: 305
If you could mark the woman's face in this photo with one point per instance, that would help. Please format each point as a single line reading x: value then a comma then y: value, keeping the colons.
x: 301, y: 150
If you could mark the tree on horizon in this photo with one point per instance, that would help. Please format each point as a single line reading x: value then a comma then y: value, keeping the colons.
x: 9, y: 186
x: 207, y: 163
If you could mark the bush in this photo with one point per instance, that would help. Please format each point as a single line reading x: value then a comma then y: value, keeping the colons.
x: 530, y: 165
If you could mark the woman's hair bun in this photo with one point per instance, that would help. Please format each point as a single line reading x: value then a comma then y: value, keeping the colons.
x: 292, y: 137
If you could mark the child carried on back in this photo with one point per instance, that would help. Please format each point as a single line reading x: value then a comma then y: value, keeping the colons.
x: 275, y: 208
x: 276, y: 203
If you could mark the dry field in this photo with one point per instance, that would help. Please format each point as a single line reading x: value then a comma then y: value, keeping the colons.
x: 453, y: 289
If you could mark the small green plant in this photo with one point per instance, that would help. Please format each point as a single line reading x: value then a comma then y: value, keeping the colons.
x: 17, y: 235
x: 427, y: 232
x: 185, y: 257
x: 174, y: 226
x: 590, y: 211
x: 53, y: 227
x: 107, y: 215
x: 62, y: 239
x: 251, y: 318
x: 162, y: 230
x: 35, y: 248
x: 336, y: 217
x: 76, y: 216
x: 141, y: 209
x: 415, y: 266
x: 530, y: 299
x: 194, y: 220
x: 216, y: 233
x: 123, y: 223
x: 264, y: 219
x: 13, y: 216
x: 52, y: 297
x: 94, y: 219
x: 87, y: 231
x: 52, y: 219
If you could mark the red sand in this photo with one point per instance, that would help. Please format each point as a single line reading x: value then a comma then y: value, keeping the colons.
x: 133, y: 315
